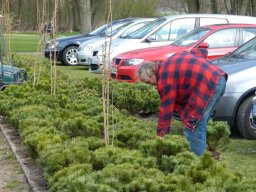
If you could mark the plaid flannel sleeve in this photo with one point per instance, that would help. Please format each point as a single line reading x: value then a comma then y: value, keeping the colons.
x: 167, y: 106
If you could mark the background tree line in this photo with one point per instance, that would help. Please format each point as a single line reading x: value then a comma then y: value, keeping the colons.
x: 85, y: 15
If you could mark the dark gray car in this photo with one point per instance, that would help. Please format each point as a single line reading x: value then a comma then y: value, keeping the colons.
x: 235, y: 106
x: 66, y: 47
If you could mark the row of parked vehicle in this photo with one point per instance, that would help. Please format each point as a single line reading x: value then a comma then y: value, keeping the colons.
x: 124, y: 44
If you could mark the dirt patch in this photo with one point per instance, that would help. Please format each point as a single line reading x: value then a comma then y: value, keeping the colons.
x: 11, y: 175
x: 18, y: 171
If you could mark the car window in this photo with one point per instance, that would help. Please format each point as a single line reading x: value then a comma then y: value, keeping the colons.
x: 191, y: 37
x: 113, y: 29
x: 222, y: 38
x: 247, y: 50
x: 133, y: 28
x: 143, y: 31
x: 174, y: 29
x: 98, y: 30
x: 211, y: 21
x: 248, y: 33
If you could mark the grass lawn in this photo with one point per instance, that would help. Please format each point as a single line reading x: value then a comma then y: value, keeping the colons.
x: 240, y: 154
x: 27, y: 42
x: 77, y: 72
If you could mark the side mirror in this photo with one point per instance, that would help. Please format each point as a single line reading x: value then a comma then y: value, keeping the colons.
x: 151, y: 38
x: 204, y: 45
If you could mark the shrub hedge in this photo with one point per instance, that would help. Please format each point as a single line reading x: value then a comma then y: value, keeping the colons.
x: 64, y: 134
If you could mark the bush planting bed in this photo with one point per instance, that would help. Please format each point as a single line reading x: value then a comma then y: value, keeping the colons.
x: 64, y: 135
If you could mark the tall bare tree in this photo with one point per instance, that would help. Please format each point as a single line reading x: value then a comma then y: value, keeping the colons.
x: 235, y: 7
x: 214, y: 6
x: 85, y: 16
x: 193, y: 6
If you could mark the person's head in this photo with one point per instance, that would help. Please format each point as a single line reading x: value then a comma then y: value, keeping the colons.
x: 146, y: 73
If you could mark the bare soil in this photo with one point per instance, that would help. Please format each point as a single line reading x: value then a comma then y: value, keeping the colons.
x: 18, y: 172
x: 12, y: 178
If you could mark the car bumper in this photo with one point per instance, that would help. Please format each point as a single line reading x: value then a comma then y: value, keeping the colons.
x: 50, y: 55
x: 124, y: 73
x: 83, y: 58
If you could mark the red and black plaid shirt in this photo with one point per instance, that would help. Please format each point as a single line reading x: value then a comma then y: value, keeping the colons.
x: 185, y: 82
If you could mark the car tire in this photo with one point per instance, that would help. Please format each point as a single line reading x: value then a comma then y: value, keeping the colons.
x: 243, y: 120
x: 69, y: 56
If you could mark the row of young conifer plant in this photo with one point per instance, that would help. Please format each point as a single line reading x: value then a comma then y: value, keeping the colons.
x: 64, y: 135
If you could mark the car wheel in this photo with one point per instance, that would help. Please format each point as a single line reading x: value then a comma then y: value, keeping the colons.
x: 244, y: 119
x: 69, y: 56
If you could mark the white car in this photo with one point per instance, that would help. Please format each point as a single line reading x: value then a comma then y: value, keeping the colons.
x: 160, y: 32
x: 85, y: 49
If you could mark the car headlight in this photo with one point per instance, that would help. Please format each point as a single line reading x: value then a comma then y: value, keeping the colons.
x: 53, y: 44
x: 88, y: 47
x: 129, y: 62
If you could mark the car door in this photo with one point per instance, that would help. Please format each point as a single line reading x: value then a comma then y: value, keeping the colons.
x: 222, y: 42
x: 171, y: 30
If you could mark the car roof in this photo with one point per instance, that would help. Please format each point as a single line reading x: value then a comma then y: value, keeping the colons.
x: 126, y: 20
x: 223, y: 26
x: 210, y: 15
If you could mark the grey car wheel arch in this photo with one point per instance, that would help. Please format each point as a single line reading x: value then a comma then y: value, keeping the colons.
x: 241, y: 99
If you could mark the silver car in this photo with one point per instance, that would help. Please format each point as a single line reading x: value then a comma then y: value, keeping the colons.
x: 235, y: 106
x: 85, y: 49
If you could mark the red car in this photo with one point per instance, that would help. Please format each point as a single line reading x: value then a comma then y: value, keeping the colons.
x: 219, y: 39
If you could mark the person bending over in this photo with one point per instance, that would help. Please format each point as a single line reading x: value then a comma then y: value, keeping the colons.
x: 189, y: 84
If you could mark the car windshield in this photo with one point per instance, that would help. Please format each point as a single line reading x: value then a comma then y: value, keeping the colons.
x: 98, y: 30
x: 246, y: 51
x: 114, y: 29
x: 191, y: 37
x: 143, y: 31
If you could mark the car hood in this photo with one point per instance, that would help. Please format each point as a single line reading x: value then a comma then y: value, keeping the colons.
x: 121, y: 45
x: 75, y: 37
x: 94, y: 42
x: 234, y: 67
x: 117, y: 42
x: 152, y: 53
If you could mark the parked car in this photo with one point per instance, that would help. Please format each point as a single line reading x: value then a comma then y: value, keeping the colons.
x: 253, y: 112
x: 9, y: 74
x: 66, y: 47
x: 162, y: 31
x: 235, y: 106
x: 85, y: 49
x: 219, y: 39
